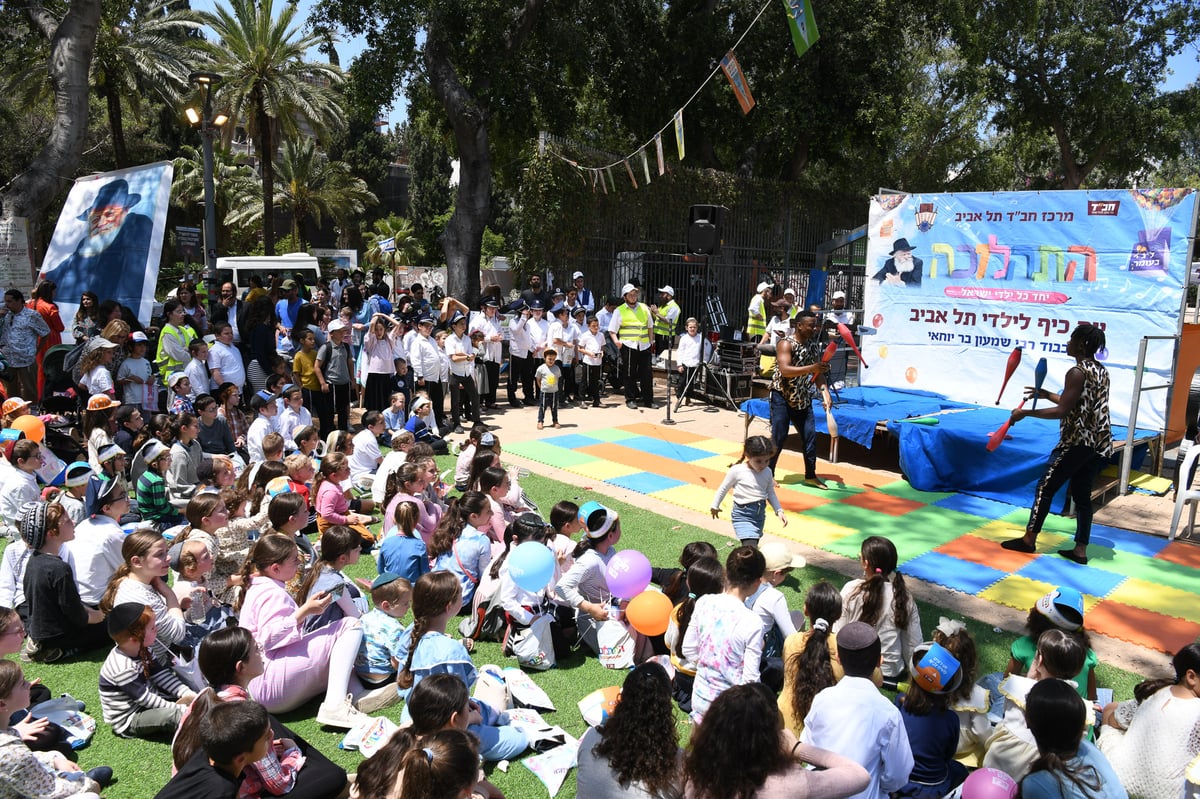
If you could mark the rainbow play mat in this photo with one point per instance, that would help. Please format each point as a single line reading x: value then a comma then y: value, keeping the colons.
x: 1137, y: 587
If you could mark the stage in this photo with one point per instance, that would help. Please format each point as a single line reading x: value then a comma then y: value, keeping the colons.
x: 942, y: 442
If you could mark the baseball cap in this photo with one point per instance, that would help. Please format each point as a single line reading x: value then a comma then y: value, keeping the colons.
x: 763, y: 286
x: 104, y: 344
x: 577, y: 275
x: 336, y: 324
x: 1064, y: 607
x: 667, y: 290
x: 839, y: 295
x: 628, y: 287
x: 138, y: 337
x: 173, y: 378
x: 778, y: 556
x: 288, y: 285
x: 789, y: 290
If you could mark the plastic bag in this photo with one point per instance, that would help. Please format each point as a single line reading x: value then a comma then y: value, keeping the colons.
x: 533, y: 646
x: 64, y: 711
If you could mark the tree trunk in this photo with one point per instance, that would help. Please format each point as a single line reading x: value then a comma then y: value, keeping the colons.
x: 72, y: 42
x: 116, y: 127
x: 266, y: 168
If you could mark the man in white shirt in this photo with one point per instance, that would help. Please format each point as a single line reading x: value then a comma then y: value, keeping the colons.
x: 366, y: 456
x: 487, y: 322
x: 841, y: 359
x: 464, y: 394
x: 95, y: 553
x: 854, y: 720
x: 224, y: 360
x: 426, y: 364
x: 583, y: 296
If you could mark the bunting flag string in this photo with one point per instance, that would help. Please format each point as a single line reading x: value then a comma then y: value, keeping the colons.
x: 803, y: 26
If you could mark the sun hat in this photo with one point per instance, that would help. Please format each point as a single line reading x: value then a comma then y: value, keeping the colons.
x: 154, y: 450
x: 1064, y: 607
x: 13, y: 404
x: 77, y: 474
x: 778, y: 556
x: 597, y: 519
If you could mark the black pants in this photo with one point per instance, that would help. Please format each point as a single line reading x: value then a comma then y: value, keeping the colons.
x: 592, y: 375
x: 493, y: 374
x: 460, y: 386
x: 613, y: 358
x: 322, y: 408
x: 570, y: 391
x: 530, y: 386
x: 340, y: 393
x: 635, y: 364
x: 1077, y: 467
x: 687, y: 379
x: 437, y: 398
x: 517, y: 377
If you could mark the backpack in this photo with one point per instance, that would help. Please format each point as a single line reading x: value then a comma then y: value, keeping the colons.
x: 486, y: 621
x: 71, y: 362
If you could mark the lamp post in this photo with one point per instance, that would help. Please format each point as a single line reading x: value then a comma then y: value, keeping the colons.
x: 209, y: 126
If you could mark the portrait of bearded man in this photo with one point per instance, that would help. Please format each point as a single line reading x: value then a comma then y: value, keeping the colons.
x: 902, y: 269
x: 111, y: 257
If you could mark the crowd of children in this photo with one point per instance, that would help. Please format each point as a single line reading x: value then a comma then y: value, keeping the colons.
x: 222, y: 597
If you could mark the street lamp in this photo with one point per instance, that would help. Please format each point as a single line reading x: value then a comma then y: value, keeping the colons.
x: 209, y: 125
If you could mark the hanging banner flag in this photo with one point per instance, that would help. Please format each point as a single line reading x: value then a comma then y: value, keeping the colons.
x: 109, y: 238
x: 603, y: 182
x: 662, y: 167
x: 803, y: 24
x: 611, y: 180
x: 629, y: 170
x: 645, y: 166
x: 593, y: 180
x: 679, y: 132
x: 741, y: 87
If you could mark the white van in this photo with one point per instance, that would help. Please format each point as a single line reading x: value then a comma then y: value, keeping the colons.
x: 240, y: 268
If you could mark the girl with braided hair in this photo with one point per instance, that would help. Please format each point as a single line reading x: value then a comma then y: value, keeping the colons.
x: 1085, y: 441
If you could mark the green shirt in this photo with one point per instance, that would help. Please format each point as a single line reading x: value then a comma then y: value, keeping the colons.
x: 1025, y: 648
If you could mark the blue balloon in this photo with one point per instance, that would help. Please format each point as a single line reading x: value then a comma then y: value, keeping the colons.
x: 531, y: 565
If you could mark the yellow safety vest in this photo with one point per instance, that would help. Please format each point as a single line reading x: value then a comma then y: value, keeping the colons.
x: 757, y: 325
x: 185, y: 335
x: 635, y: 324
x: 663, y: 327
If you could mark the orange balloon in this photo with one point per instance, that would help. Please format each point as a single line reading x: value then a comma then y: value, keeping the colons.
x: 32, y: 427
x: 649, y: 612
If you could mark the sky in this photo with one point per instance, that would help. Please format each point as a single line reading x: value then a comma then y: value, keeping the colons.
x: 1185, y: 66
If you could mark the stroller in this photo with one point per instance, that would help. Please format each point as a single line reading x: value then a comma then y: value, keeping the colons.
x: 62, y: 396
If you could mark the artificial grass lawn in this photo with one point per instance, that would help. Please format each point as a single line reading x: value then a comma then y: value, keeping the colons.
x: 143, y: 767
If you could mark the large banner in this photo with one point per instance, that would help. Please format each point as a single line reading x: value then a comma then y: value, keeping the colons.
x: 108, y: 240
x: 956, y: 281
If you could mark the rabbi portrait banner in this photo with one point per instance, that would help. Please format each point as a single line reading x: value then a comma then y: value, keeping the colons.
x: 956, y: 281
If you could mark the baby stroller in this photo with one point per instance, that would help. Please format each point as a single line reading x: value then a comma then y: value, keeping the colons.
x: 61, y: 395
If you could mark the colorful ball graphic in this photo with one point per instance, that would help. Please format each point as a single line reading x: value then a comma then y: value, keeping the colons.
x: 877, y: 320
x: 910, y: 374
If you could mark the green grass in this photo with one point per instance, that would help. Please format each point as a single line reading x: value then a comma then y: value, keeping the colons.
x: 143, y: 767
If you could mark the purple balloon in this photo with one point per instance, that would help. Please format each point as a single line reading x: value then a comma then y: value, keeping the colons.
x: 628, y: 574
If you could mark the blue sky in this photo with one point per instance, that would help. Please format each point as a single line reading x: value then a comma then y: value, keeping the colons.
x: 1184, y: 66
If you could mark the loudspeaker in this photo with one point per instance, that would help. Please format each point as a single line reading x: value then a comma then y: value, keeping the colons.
x: 704, y: 229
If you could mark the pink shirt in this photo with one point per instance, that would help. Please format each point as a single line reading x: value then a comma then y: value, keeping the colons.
x: 431, y: 514
x: 332, y: 505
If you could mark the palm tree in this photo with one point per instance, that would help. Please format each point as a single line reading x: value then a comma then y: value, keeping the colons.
x: 142, y: 47
x: 267, y: 86
x: 309, y: 185
x: 407, y: 247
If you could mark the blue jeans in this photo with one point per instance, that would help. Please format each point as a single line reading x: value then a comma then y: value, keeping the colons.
x: 783, y: 416
x: 498, y: 740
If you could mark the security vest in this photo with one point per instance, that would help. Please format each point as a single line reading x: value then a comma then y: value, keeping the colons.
x: 184, y: 335
x: 635, y: 324
x: 665, y: 327
x: 757, y: 325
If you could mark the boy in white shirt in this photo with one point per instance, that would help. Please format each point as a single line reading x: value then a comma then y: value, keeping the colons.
x: 196, y: 370
x: 366, y: 456
x: 591, y: 353
x: 294, y: 417
x: 263, y: 405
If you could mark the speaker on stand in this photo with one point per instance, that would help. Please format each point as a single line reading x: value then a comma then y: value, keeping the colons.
x: 705, y: 236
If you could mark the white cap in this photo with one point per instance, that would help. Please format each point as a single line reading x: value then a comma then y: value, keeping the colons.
x: 337, y: 324
x: 789, y: 290
x: 667, y: 290
x: 763, y: 286
x: 577, y: 275
x: 839, y: 295
x: 628, y: 287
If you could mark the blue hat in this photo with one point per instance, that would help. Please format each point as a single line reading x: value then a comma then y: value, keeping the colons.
x: 459, y: 316
x: 113, y: 193
x: 384, y: 579
x: 426, y: 320
x: 1064, y: 607
x: 558, y: 308
x: 535, y: 304
x: 492, y: 301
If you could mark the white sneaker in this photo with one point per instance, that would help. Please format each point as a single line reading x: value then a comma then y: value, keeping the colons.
x: 377, y: 698
x: 343, y: 715
x: 839, y: 385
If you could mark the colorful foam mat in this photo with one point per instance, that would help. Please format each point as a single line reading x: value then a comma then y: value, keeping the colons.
x: 1137, y: 587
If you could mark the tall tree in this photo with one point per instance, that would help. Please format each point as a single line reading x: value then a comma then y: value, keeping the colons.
x: 72, y: 41
x: 430, y: 193
x: 311, y: 187
x: 1085, y: 72
x: 268, y: 86
x: 143, y: 49
x: 471, y: 58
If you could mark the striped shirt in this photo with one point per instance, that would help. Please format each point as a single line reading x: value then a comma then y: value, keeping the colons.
x: 125, y: 690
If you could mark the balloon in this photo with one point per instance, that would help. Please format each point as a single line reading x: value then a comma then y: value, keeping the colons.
x: 628, y: 574
x: 649, y: 612
x: 597, y: 706
x: 32, y: 427
x: 989, y: 783
x: 531, y: 565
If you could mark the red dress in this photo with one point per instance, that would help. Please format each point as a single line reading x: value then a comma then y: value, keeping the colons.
x: 49, y: 312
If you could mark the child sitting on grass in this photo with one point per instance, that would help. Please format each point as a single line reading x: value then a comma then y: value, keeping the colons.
x: 140, y: 695
x: 153, y: 501
x: 404, y: 552
x: 42, y: 774
x: 142, y: 579
x: 340, y: 547
x: 233, y: 736
x: 1060, y: 609
x: 385, y: 640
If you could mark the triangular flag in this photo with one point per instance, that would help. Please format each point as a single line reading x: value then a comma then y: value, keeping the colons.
x: 629, y: 170
x: 593, y: 180
x: 645, y: 166
x: 802, y: 23
x: 611, y: 180
x: 662, y: 167
x: 741, y: 86
x: 679, y: 132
